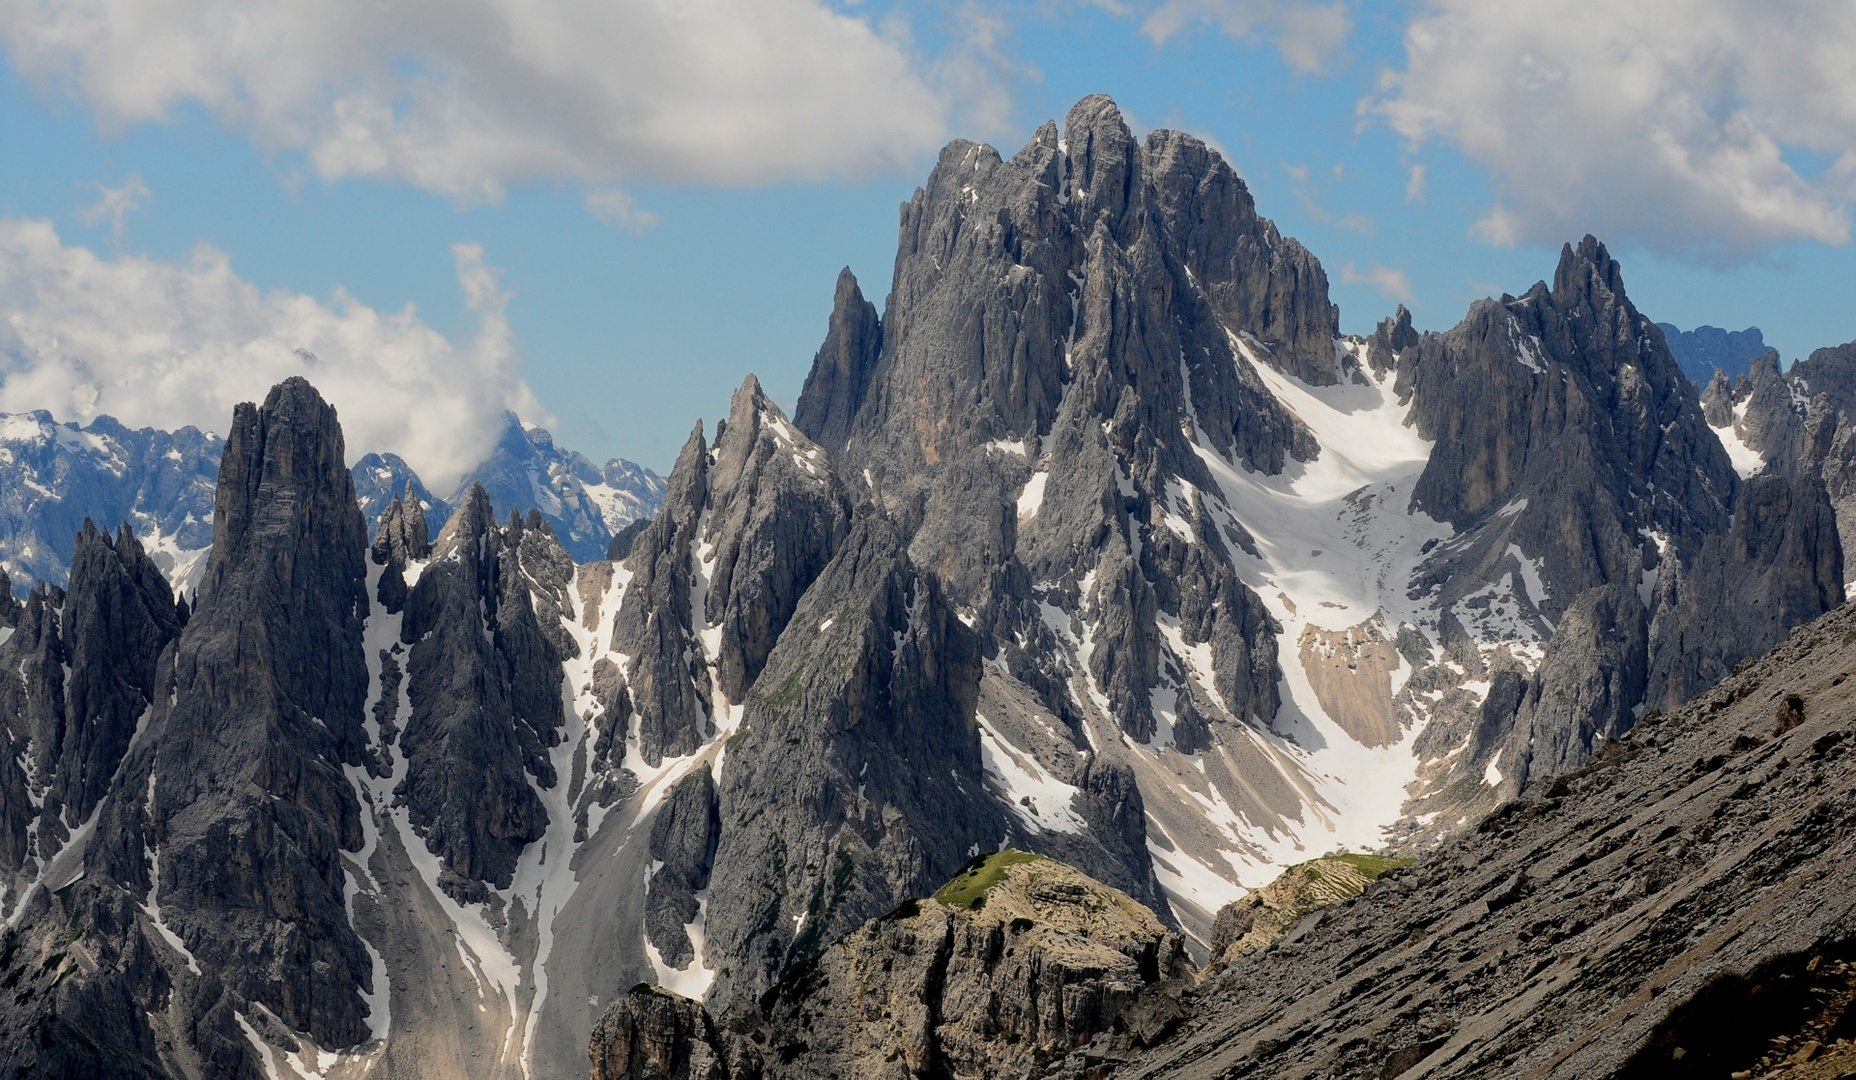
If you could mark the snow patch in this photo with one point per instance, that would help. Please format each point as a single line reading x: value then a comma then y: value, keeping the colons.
x: 1040, y: 801
x: 1032, y: 496
x: 1746, y: 460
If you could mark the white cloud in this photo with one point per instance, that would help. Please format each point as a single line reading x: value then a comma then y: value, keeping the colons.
x: 1415, y: 183
x: 117, y: 203
x: 1307, y: 34
x: 166, y: 344
x: 467, y: 97
x: 615, y: 206
x: 1675, y: 125
x: 1391, y: 282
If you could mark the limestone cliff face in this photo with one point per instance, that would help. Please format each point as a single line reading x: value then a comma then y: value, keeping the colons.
x: 855, y: 781
x: 1569, y: 444
x: 483, y: 679
x: 1055, y: 320
x: 208, y: 875
x: 79, y: 677
x: 745, y: 528
x: 1013, y: 966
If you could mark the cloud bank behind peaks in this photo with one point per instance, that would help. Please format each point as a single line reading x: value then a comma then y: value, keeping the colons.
x: 464, y: 98
x: 1713, y: 129
x: 164, y: 344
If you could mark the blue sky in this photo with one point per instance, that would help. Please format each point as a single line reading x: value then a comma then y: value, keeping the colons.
x: 622, y: 291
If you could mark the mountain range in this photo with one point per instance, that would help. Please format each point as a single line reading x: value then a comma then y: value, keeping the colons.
x: 1706, y: 349
x: 53, y: 476
x: 1100, y: 545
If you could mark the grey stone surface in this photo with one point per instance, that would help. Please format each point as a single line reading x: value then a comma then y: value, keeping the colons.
x: 228, y: 806
x: 673, y: 698
x: 842, y: 370
x: 745, y: 529
x: 683, y: 837
x: 117, y: 620
x: 1063, y: 313
x: 855, y: 781
x: 1565, y: 431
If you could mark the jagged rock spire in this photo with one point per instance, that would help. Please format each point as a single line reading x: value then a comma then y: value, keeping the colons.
x: 843, y: 368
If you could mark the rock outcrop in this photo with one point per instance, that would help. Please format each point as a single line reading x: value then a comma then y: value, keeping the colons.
x: 1573, y: 454
x: 1008, y: 970
x: 1289, y: 907
x: 209, y: 876
x: 855, y: 781
x: 746, y: 527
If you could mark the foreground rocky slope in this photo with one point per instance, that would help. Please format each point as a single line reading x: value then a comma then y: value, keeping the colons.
x: 1556, y: 937
x: 1013, y: 964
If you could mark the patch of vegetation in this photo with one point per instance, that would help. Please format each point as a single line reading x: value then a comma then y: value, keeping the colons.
x: 645, y: 989
x: 787, y: 693
x: 1371, y: 866
x: 908, y: 909
x: 967, y: 891
x: 1021, y: 924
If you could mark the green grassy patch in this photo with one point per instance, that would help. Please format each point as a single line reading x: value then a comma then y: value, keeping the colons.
x: 1371, y: 866
x: 968, y: 889
x: 788, y: 693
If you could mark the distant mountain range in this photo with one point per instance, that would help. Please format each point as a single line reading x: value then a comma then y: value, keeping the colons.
x: 1702, y: 351
x: 53, y: 476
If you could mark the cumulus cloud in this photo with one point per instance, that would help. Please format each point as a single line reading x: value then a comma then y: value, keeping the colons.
x: 1390, y: 281
x: 117, y: 203
x: 1307, y: 34
x: 164, y: 344
x: 1681, y: 126
x: 465, y: 98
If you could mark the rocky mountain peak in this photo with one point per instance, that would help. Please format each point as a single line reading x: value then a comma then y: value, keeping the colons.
x: 1391, y: 337
x: 1587, y: 274
x: 289, y: 549
x: 238, y: 790
x: 1101, y: 156
x: 843, y: 368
